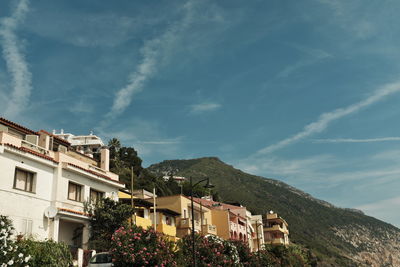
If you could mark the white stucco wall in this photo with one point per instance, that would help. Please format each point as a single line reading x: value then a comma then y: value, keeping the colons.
x: 51, y: 189
x: 23, y: 206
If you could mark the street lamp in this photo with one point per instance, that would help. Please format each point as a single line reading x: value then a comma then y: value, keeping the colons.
x: 208, y: 186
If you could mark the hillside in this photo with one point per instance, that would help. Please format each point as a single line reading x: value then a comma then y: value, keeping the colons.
x: 338, y: 237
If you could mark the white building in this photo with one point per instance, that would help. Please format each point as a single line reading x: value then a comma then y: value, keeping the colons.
x: 85, y: 144
x: 40, y: 172
x: 178, y: 179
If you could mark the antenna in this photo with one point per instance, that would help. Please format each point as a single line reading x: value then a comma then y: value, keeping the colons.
x: 50, y: 212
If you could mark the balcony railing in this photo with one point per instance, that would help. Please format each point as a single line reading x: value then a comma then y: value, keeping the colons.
x: 187, y: 223
x: 278, y: 241
x: 33, y: 147
x: 276, y: 227
x: 143, y: 222
x: 166, y: 229
x: 207, y: 229
x: 234, y: 226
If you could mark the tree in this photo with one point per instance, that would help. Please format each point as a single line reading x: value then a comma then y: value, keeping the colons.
x: 106, y: 216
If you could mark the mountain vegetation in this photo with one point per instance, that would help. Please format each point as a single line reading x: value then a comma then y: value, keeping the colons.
x: 337, y: 237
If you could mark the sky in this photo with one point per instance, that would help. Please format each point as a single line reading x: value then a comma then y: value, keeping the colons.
x: 306, y: 92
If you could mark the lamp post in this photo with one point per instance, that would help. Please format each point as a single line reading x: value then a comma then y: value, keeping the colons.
x: 208, y: 185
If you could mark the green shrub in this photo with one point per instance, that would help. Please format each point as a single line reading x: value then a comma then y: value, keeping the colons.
x: 47, y: 253
x: 106, y: 216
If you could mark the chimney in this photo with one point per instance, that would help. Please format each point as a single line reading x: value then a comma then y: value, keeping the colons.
x: 105, y: 158
x: 44, y: 140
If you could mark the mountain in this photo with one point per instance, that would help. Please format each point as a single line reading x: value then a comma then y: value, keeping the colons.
x: 337, y: 237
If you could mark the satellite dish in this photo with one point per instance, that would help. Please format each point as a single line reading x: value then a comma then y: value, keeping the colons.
x: 271, y: 212
x: 50, y: 212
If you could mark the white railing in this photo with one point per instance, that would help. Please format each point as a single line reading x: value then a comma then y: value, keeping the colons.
x: 34, y: 147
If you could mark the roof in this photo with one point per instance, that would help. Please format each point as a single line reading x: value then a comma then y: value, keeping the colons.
x: 138, y: 202
x: 24, y: 149
x: 167, y: 211
x: 236, y: 215
x: 17, y: 126
x: 212, y: 204
x: 95, y: 173
x: 74, y: 212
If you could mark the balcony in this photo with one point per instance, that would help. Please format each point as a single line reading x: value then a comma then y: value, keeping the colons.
x: 277, y: 241
x: 242, y: 228
x: 140, y: 221
x: 276, y: 228
x: 33, y: 147
x: 234, y: 226
x: 208, y: 229
x: 187, y: 223
x: 166, y: 229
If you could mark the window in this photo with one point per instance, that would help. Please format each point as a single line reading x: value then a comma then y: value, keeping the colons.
x: 24, y: 180
x: 74, y: 192
x: 26, y: 227
x: 95, y: 195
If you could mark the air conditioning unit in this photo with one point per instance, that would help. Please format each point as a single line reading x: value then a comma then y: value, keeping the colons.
x: 33, y: 139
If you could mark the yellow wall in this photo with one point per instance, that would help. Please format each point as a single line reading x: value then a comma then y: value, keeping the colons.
x: 145, y: 223
x: 220, y: 218
x: 180, y: 203
x: 170, y: 202
x: 166, y: 229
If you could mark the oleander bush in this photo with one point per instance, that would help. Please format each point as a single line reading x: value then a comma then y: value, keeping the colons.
x: 135, y: 246
x: 210, y: 251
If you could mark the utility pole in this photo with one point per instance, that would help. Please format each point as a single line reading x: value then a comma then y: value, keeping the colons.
x: 154, y: 209
x: 192, y: 209
x: 132, y: 204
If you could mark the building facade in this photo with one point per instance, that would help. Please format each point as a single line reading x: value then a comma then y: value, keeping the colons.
x: 276, y: 230
x: 44, y: 184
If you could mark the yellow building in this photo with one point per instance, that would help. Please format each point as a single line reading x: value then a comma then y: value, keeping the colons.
x: 275, y: 230
x: 141, y: 216
x: 165, y: 222
x: 182, y: 205
x: 144, y: 215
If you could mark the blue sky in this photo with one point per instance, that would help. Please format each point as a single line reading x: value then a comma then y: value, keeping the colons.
x: 306, y: 92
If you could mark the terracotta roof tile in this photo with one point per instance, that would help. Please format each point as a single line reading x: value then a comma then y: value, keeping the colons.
x: 95, y: 173
x: 17, y: 126
x: 74, y: 211
x: 24, y: 149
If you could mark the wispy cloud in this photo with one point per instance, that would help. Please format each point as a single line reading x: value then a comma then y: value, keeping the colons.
x: 326, y: 118
x: 145, y: 136
x: 351, y: 140
x: 313, y: 56
x: 160, y: 142
x: 15, y: 60
x: 204, y: 107
x: 151, y: 54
